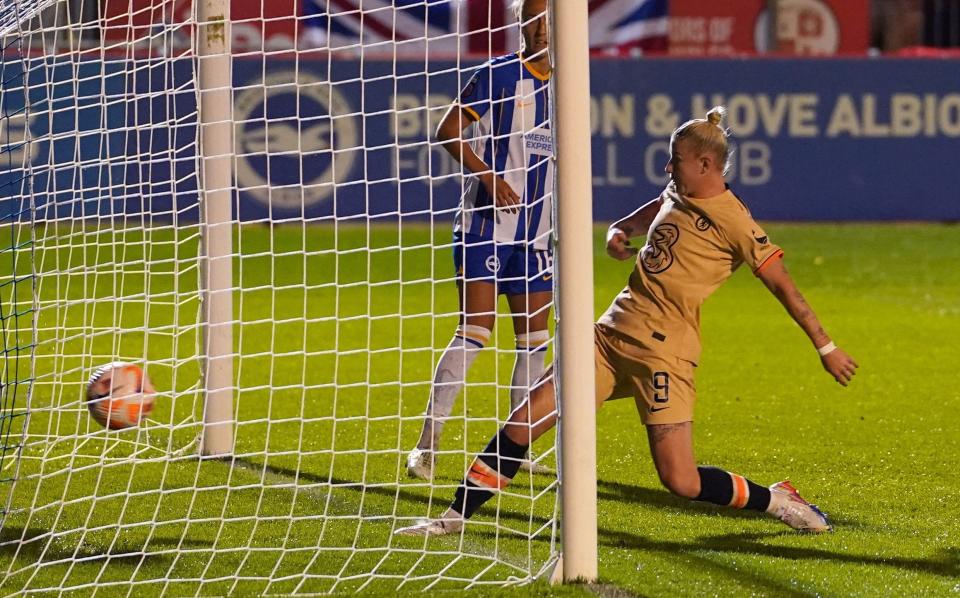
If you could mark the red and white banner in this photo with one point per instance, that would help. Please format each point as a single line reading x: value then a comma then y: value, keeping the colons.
x: 803, y: 28
x: 268, y: 25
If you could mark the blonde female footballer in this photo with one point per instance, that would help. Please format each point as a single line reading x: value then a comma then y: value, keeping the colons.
x: 648, y: 342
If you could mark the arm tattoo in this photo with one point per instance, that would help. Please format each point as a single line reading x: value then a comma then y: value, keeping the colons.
x: 799, y: 296
x: 803, y: 314
x: 801, y: 310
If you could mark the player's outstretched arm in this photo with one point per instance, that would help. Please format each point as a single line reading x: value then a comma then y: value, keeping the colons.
x: 837, y: 363
x: 450, y: 135
x: 637, y: 223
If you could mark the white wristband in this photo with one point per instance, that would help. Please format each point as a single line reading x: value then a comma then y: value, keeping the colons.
x: 827, y: 349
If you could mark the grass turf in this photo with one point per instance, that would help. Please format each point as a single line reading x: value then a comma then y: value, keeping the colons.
x: 332, y: 380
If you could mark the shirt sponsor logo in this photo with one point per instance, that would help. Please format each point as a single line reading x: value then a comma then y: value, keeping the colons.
x: 539, y: 142
x: 657, y: 255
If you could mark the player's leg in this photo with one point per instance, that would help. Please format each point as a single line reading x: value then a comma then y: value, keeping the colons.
x: 530, y: 317
x: 531, y: 314
x: 477, y: 293
x: 527, y: 280
x: 498, y: 464
x: 495, y: 467
x: 478, y: 300
x: 528, y: 285
x: 662, y: 403
x: 672, y: 448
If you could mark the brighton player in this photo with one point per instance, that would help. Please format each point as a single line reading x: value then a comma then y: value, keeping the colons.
x: 648, y: 342
x: 502, y: 233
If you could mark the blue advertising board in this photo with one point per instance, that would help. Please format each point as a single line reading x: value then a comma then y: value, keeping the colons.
x: 105, y: 138
x: 848, y: 139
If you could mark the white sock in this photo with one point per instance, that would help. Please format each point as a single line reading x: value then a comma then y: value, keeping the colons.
x: 448, y: 380
x: 529, y: 366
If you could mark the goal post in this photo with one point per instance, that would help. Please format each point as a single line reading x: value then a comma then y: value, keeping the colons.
x: 215, y: 114
x: 575, y: 301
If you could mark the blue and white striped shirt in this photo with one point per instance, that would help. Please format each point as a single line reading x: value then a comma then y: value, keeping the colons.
x: 510, y: 103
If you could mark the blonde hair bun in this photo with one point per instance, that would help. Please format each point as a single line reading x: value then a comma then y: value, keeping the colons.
x: 716, y: 114
x: 707, y: 135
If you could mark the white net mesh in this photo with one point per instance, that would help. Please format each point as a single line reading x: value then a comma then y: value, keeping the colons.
x: 344, y: 299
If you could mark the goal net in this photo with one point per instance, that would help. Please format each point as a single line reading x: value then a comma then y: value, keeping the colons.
x: 341, y: 295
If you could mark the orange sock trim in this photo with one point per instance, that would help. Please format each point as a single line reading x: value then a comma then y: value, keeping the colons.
x: 484, y: 476
x: 741, y: 492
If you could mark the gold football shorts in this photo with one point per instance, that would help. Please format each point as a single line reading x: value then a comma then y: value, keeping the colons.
x: 661, y: 385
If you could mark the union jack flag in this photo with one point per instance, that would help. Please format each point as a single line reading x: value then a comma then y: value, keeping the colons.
x: 373, y: 23
x: 624, y: 26
x: 477, y: 26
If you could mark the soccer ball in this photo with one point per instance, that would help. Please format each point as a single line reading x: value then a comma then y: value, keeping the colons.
x: 119, y: 395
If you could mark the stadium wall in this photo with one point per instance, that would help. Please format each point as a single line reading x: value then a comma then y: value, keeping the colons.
x: 831, y: 139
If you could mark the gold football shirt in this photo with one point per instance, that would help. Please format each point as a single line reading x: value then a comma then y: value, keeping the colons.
x: 693, y: 246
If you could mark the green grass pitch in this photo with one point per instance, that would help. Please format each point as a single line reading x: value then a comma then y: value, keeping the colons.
x: 321, y: 466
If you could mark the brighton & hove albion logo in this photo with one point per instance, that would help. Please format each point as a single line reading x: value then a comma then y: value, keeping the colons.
x: 805, y: 27
x: 288, y: 128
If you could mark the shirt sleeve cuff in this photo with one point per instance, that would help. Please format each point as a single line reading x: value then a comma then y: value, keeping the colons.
x: 770, y: 259
x: 473, y: 113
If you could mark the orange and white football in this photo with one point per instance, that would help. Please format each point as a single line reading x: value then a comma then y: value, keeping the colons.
x: 120, y: 395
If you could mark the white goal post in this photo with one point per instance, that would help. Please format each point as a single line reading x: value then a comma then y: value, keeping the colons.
x: 216, y: 181
x: 250, y: 203
x: 575, y: 301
